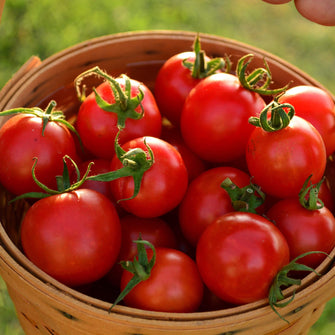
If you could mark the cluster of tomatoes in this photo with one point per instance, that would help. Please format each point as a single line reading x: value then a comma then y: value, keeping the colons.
x: 188, y: 198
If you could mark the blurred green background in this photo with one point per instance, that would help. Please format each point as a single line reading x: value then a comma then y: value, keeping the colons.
x: 44, y: 27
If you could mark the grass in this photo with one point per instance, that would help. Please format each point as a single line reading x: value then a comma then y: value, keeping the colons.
x: 44, y: 27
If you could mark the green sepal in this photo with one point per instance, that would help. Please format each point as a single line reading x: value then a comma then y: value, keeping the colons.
x: 282, y: 281
x: 47, y: 115
x: 135, y: 164
x: 309, y: 195
x: 280, y: 116
x: 244, y: 199
x: 200, y: 68
x: 124, y: 105
x: 140, y: 267
x: 259, y: 79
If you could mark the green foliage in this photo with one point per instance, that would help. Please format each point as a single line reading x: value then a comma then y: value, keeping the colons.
x: 44, y: 27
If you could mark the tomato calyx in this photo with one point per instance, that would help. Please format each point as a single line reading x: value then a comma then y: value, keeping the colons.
x: 280, y: 116
x: 140, y: 267
x: 308, y: 196
x: 259, y: 79
x: 283, y: 280
x: 134, y: 161
x: 200, y: 68
x: 124, y: 105
x: 244, y: 199
x: 47, y: 115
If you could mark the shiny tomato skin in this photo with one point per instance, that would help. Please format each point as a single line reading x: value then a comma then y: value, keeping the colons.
x: 214, y: 121
x: 68, y: 238
x: 173, y: 83
x: 305, y: 230
x: 154, y: 230
x: 22, y: 141
x: 173, y: 286
x: 316, y: 106
x: 281, y: 161
x: 98, y: 128
x: 205, y: 200
x: 239, y: 255
x: 163, y: 186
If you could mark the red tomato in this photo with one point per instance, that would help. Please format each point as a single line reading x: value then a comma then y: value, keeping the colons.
x: 154, y: 230
x: 239, y: 255
x: 316, y: 106
x: 68, y: 238
x: 279, y: 160
x: 205, y: 200
x: 173, y: 286
x: 214, y: 120
x: 98, y: 128
x: 21, y: 140
x: 163, y: 185
x: 320, y: 11
x: 173, y: 83
x: 194, y: 164
x: 305, y: 230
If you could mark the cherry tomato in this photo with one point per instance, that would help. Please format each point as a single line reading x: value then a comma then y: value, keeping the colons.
x: 154, y: 230
x: 279, y: 160
x: 173, y: 286
x: 239, y: 255
x: 214, y: 120
x: 173, y: 83
x: 21, y: 140
x: 98, y: 128
x: 316, y: 106
x: 194, y: 164
x: 205, y: 200
x: 321, y: 11
x: 68, y: 238
x: 163, y: 185
x: 305, y: 230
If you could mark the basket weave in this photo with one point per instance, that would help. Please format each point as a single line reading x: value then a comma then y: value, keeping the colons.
x: 44, y: 306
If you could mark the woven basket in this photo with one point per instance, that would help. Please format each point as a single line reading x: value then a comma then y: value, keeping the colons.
x: 44, y: 306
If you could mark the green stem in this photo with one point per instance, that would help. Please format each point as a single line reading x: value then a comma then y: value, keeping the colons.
x: 259, y: 79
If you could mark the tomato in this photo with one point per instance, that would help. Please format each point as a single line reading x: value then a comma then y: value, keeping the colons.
x: 239, y: 255
x: 154, y: 230
x: 173, y: 286
x: 98, y: 128
x: 321, y: 11
x: 316, y: 106
x: 163, y: 184
x: 279, y: 160
x: 21, y: 140
x: 194, y: 164
x: 214, y: 120
x: 68, y: 238
x: 173, y: 83
x: 305, y: 230
x: 205, y: 200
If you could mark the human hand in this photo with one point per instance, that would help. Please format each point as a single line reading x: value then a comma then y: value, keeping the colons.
x: 318, y: 11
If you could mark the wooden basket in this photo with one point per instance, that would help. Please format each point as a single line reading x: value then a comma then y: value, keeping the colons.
x: 44, y: 306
